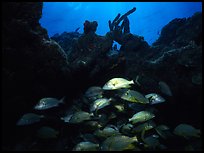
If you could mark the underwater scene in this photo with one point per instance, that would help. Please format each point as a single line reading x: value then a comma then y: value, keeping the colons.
x: 101, y: 76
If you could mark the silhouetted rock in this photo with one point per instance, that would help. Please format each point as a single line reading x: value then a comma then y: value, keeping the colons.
x: 179, y: 32
x: 119, y: 33
x: 33, y: 65
x: 88, y: 57
x: 66, y: 40
x: 28, y: 53
x: 176, y: 58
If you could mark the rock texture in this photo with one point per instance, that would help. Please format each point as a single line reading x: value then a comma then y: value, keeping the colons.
x: 28, y: 54
x: 35, y: 66
x: 66, y: 40
x: 175, y: 58
x: 87, y: 55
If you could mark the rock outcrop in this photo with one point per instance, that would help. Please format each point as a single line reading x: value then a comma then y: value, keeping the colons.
x: 175, y: 58
x: 29, y: 56
x: 66, y: 40
x: 35, y: 66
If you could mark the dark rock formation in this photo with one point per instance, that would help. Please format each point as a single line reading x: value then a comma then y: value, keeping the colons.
x: 120, y: 33
x: 176, y: 58
x: 28, y: 53
x: 88, y: 58
x: 90, y: 26
x: 179, y: 32
x: 33, y: 65
x: 66, y: 40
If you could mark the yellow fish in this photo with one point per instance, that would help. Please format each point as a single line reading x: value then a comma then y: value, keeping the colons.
x: 117, y: 83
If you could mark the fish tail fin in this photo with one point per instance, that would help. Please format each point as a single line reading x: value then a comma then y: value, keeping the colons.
x: 92, y: 114
x: 112, y: 99
x: 136, y: 80
x: 132, y: 82
x: 62, y: 99
x: 135, y: 138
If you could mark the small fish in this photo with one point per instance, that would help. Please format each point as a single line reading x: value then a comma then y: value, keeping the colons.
x: 162, y: 127
x: 46, y: 132
x: 117, y: 83
x: 47, y: 103
x: 155, y: 98
x: 86, y: 146
x: 145, y: 126
x: 141, y: 117
x: 29, y: 118
x: 119, y: 143
x: 100, y: 103
x: 80, y: 116
x: 69, y: 113
x: 120, y: 107
x: 126, y: 128
x: 142, y: 128
x: 94, y: 91
x: 134, y: 96
x: 92, y: 125
x: 187, y: 131
x: 88, y: 137
x: 106, y: 132
x: 161, y: 130
x: 165, y: 89
x: 151, y: 142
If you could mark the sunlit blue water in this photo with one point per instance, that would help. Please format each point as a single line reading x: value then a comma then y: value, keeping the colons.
x: 146, y: 21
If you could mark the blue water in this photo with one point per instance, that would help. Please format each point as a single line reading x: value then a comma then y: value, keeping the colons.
x: 147, y: 20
